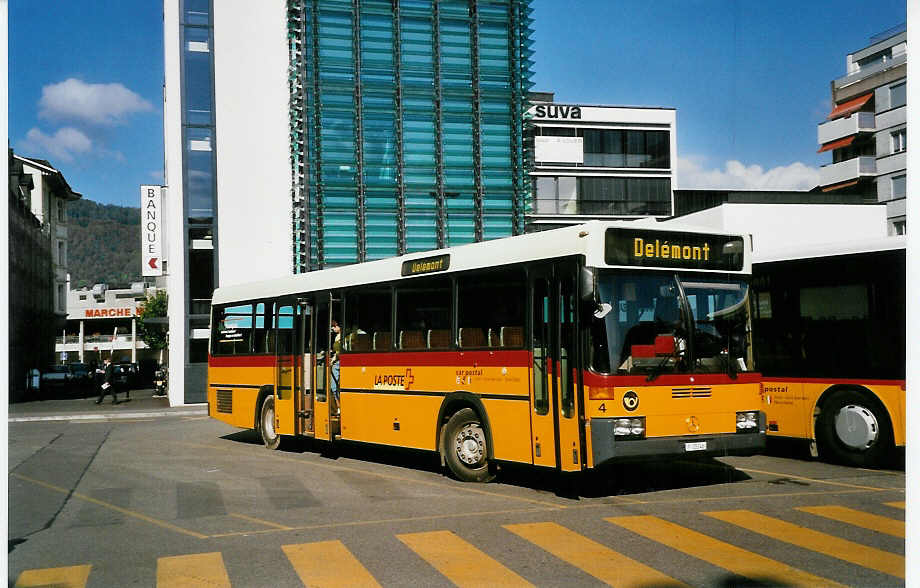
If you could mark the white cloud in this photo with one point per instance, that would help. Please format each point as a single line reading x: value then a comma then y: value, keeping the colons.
x: 691, y: 175
x: 63, y: 145
x: 100, y: 104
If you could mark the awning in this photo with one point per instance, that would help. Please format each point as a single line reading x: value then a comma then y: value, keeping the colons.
x: 850, y: 106
x: 837, y: 144
x: 833, y: 187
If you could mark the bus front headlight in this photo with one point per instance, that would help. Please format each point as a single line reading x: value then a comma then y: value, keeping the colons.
x: 633, y: 427
x: 746, y: 421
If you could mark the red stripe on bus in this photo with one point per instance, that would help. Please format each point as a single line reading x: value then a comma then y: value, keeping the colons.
x: 513, y: 358
x: 242, y: 361
x: 832, y: 381
x: 601, y: 381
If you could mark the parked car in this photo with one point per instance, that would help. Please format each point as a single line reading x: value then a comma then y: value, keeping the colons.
x: 56, y: 378
x: 126, y: 375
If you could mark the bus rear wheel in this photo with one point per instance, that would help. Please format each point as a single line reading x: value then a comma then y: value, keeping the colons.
x: 853, y: 429
x: 270, y: 437
x: 466, y: 447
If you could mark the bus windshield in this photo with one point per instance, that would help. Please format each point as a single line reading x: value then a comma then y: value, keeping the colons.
x: 657, y: 323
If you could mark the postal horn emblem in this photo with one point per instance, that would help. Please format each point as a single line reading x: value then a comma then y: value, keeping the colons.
x: 693, y: 424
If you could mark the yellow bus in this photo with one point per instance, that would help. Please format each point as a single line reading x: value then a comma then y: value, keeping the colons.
x: 830, y: 340
x: 567, y: 349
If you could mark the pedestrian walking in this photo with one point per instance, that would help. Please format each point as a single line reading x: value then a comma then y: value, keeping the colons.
x: 108, y: 382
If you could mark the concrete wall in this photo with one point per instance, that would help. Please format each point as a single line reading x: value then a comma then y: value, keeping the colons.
x: 781, y: 226
x: 253, y: 168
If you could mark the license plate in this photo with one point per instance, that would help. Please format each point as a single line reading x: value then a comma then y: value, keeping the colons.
x: 697, y: 446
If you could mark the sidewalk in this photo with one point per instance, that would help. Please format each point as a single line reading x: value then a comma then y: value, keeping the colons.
x: 141, y: 405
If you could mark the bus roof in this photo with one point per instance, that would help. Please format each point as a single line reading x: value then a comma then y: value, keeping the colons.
x: 587, y: 239
x: 830, y: 249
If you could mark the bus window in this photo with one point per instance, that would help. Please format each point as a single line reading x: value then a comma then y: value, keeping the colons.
x: 567, y: 345
x: 541, y: 345
x: 260, y: 330
x: 491, y: 303
x: 367, y: 319
x: 423, y: 308
x: 720, y: 313
x: 232, y: 330
x: 284, y: 328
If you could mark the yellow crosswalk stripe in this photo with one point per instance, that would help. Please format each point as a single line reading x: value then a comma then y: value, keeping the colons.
x: 895, y: 504
x: 719, y: 553
x: 327, y: 564
x: 858, y: 518
x: 862, y: 555
x: 66, y: 577
x: 459, y: 561
x: 190, y: 571
x: 590, y: 556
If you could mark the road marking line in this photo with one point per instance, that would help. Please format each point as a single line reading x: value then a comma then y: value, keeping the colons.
x: 459, y: 561
x: 198, y: 569
x: 260, y: 521
x: 460, y: 486
x: 895, y: 504
x: 814, y: 480
x: 328, y: 564
x: 862, y: 555
x: 383, y: 521
x: 104, y: 504
x: 112, y: 416
x: 590, y: 556
x: 858, y: 518
x: 719, y: 553
x: 66, y: 577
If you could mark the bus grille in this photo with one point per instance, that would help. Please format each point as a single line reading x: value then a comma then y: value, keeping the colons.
x: 691, y: 392
x: 225, y: 401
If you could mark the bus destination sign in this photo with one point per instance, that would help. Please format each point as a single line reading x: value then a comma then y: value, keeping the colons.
x: 426, y: 265
x: 673, y: 249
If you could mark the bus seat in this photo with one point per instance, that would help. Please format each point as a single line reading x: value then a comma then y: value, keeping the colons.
x: 382, y: 341
x: 358, y: 342
x: 512, y: 336
x: 471, y: 337
x: 411, y: 340
x: 438, y: 338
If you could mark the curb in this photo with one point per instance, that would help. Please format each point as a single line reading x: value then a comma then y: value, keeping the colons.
x: 108, y: 417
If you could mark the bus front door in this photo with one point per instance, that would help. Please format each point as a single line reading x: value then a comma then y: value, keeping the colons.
x: 555, y: 423
x: 287, y: 361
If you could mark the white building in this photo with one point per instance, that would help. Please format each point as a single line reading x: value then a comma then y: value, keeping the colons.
x: 866, y: 131
x: 607, y: 162
x: 50, y: 195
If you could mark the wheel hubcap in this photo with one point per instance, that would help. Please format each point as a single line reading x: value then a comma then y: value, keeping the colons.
x: 470, y: 444
x: 856, y: 427
x: 268, y: 424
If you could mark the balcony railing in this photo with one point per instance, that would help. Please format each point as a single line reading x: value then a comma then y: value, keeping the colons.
x: 860, y: 122
x: 865, y: 72
x: 844, y: 171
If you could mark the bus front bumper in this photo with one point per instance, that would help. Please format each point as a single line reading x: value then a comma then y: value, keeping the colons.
x: 607, y: 448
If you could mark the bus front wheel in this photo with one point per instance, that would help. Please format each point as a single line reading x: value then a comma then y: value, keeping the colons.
x: 466, y: 447
x: 853, y: 429
x: 270, y: 437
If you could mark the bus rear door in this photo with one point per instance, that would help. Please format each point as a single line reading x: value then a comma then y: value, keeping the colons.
x: 555, y: 430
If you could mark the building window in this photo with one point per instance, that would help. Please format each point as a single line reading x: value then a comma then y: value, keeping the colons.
x: 900, y: 227
x: 62, y: 218
x: 898, y: 93
x: 61, y: 298
x: 899, y: 186
x: 616, y: 148
x: 60, y: 248
x: 899, y: 141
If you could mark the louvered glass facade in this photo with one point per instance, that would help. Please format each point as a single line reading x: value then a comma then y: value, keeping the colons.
x: 406, y: 125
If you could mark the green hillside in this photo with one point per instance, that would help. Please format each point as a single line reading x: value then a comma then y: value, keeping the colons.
x: 104, y: 244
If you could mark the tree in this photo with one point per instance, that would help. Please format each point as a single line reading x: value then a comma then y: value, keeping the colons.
x: 152, y: 323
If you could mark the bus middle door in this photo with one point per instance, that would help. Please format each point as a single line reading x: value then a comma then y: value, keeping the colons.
x: 555, y: 423
x: 303, y: 374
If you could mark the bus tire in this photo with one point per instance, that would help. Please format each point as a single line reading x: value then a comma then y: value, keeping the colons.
x: 270, y: 437
x: 466, y: 449
x: 853, y: 429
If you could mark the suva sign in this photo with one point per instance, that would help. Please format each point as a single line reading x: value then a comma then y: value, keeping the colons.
x: 556, y: 111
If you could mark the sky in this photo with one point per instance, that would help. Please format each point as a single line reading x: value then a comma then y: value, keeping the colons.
x: 750, y: 81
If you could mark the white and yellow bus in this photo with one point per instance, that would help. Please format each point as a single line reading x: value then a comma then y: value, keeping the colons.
x: 830, y: 340
x: 566, y: 349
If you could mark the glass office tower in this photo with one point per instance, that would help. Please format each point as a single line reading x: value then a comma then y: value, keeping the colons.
x: 406, y: 125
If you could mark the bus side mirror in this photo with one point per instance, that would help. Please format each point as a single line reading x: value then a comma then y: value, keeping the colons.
x: 587, y: 284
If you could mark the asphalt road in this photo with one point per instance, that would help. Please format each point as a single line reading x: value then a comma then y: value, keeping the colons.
x: 182, y: 500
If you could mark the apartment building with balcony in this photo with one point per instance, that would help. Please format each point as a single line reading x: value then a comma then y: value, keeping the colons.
x: 866, y: 131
